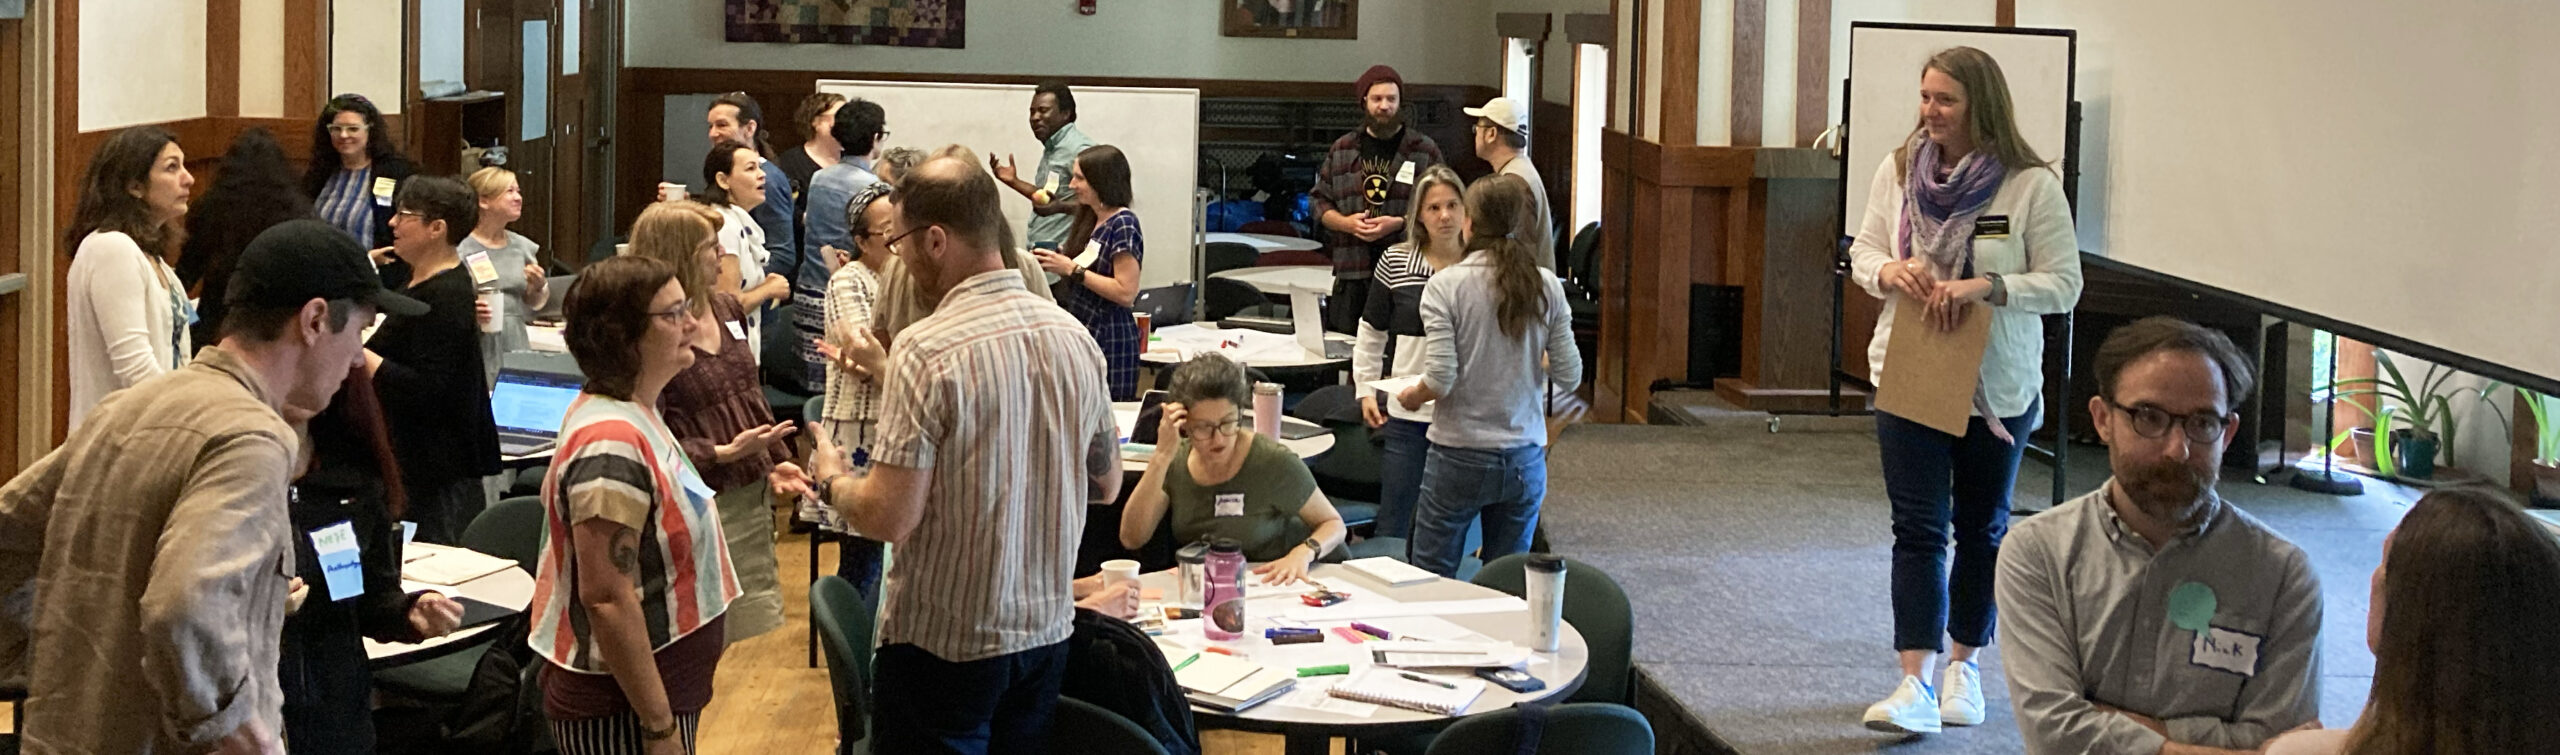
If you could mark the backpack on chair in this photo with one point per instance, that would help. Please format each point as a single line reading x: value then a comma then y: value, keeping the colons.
x: 1116, y: 667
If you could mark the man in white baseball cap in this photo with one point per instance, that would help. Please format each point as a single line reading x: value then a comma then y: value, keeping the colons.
x: 1501, y: 140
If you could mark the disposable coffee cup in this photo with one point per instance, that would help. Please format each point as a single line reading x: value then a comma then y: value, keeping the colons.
x: 1119, y: 570
x: 1146, y: 325
x: 497, y: 301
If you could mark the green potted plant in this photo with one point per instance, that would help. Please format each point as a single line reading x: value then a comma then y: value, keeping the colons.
x: 2416, y: 421
x: 2546, y: 446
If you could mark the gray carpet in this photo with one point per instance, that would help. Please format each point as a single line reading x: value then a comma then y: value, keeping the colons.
x: 1757, y: 564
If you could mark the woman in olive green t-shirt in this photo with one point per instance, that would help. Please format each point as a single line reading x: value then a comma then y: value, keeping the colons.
x: 1222, y: 480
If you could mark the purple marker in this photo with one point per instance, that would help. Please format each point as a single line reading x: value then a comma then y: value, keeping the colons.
x: 1373, y: 631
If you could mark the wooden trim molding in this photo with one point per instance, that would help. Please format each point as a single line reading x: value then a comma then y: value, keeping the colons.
x: 1750, y: 69
x: 66, y: 196
x: 1813, y: 70
x: 1529, y: 26
x: 306, y: 66
x: 1591, y: 29
x: 2004, y: 13
x: 222, y: 57
x: 1679, y: 72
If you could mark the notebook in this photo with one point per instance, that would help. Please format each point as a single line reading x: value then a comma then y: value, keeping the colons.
x: 1228, y: 683
x: 453, y: 566
x: 1442, y: 695
x: 1391, y: 571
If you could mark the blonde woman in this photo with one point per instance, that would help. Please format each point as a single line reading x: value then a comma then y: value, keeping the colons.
x: 1966, y: 221
x: 1390, y: 339
x: 511, y: 256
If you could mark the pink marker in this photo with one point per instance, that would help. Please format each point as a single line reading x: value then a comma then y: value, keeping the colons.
x: 1349, y: 634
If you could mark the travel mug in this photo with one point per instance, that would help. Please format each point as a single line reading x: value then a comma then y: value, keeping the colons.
x: 1193, y: 560
x: 1225, y: 599
x: 1266, y: 409
x: 1546, y: 602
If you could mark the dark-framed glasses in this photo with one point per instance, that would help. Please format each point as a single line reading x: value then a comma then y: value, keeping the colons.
x: 2153, y: 422
x: 1201, y: 431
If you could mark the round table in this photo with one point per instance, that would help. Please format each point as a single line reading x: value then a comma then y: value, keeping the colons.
x: 510, y: 588
x: 1311, y: 731
x: 1300, y: 360
x: 1126, y: 412
x: 1280, y: 280
x: 1265, y: 243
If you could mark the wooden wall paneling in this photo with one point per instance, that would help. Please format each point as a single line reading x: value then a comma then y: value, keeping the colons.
x: 1813, y: 70
x: 306, y: 65
x: 221, y: 58
x: 1643, y: 294
x: 71, y: 157
x: 13, y: 102
x: 1750, y: 69
x: 1680, y: 20
x: 1617, y: 224
x: 2004, y: 13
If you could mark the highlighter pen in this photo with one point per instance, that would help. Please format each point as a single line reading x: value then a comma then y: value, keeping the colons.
x: 1339, y: 668
x: 1426, y: 680
x: 1177, y: 668
x: 1221, y: 651
x: 1296, y: 639
x: 1373, y: 631
x: 1350, y: 634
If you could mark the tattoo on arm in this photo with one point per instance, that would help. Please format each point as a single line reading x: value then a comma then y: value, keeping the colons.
x: 1100, y: 460
x: 626, y: 554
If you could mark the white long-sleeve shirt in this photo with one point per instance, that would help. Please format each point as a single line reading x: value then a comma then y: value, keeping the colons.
x: 2039, y: 262
x: 1493, y: 392
x: 127, y: 319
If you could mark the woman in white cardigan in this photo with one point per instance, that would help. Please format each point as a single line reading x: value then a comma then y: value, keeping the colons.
x: 1968, y: 222
x: 127, y: 313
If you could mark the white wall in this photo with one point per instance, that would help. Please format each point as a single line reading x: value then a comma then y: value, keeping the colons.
x: 141, y: 61
x: 1778, y: 69
x: 364, y: 51
x: 1428, y: 41
x: 262, y: 58
x: 1844, y: 12
x: 1715, y: 74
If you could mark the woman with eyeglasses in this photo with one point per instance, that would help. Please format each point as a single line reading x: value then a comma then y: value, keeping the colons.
x: 852, y: 398
x: 427, y: 368
x: 717, y: 410
x: 1219, y: 479
x: 128, y: 314
x: 1965, y: 221
x: 355, y: 172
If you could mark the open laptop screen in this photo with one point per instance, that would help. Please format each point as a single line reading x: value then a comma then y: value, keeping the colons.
x: 532, y: 402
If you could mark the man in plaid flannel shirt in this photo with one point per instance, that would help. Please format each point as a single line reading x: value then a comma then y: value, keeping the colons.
x: 1361, y: 191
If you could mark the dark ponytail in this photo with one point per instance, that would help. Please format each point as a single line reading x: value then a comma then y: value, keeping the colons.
x: 1497, y: 205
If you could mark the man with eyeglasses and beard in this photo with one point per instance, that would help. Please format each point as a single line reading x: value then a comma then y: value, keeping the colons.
x: 1362, y: 189
x: 2151, y: 615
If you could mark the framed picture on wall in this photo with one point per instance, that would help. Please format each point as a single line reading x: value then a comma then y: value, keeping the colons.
x: 1292, y: 19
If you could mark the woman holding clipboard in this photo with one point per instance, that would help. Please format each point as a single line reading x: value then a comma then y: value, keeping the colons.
x: 1966, y: 221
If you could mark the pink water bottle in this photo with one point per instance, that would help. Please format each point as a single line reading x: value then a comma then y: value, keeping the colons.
x: 1224, y: 606
x: 1266, y: 409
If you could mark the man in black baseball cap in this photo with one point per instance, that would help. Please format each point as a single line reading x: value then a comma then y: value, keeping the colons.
x: 185, y: 472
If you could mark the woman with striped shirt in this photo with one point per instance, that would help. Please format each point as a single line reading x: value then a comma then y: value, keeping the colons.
x: 1390, y: 339
x: 634, y: 580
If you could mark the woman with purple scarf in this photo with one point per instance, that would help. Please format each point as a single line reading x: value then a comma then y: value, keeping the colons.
x: 1966, y: 221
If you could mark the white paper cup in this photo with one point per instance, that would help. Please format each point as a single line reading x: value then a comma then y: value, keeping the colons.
x: 1119, y: 570
x: 497, y: 301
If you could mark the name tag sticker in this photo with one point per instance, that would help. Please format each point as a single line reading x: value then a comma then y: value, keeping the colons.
x: 1049, y: 184
x: 1092, y: 254
x: 736, y: 330
x: 1991, y: 227
x: 340, y: 560
x: 1404, y: 173
x: 382, y: 189
x: 1230, y: 504
x: 483, y: 272
x: 2227, y: 650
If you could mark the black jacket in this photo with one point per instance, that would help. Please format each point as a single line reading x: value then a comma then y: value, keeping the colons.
x: 431, y: 389
x: 327, y: 681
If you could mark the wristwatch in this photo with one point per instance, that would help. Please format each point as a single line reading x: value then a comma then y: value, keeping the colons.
x: 1080, y: 274
x: 654, y: 735
x: 1314, y: 546
x: 1999, y: 290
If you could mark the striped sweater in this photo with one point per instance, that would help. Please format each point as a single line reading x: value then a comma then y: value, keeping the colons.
x: 619, y: 462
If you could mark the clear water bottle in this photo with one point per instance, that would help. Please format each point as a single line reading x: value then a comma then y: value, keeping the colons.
x: 1194, y: 560
x: 1224, y: 603
x: 1546, y: 602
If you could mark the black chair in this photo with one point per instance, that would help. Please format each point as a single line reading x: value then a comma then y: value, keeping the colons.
x: 845, y: 620
x: 1220, y: 256
x: 1578, y: 728
x: 1228, y: 298
x: 1582, y: 262
x: 1597, y: 608
x: 1081, y: 727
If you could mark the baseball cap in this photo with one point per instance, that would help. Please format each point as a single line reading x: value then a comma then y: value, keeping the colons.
x: 1499, y: 110
x: 300, y: 260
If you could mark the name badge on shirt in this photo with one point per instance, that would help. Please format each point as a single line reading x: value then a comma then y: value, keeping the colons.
x: 1092, y: 253
x: 1991, y: 227
x: 2226, y: 650
x: 340, y: 560
x: 736, y: 330
x: 1230, y: 504
x: 382, y: 188
x: 1049, y: 184
x: 1404, y: 173
x: 483, y: 272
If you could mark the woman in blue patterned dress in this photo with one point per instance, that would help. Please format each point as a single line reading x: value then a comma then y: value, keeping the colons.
x: 1098, y: 285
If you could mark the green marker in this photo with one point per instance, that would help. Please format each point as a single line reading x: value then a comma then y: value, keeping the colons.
x: 1333, y: 670
x: 1177, y: 668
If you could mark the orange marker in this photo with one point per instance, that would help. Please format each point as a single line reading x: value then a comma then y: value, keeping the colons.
x: 1221, y: 651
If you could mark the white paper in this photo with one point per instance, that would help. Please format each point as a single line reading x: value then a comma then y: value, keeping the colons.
x: 454, y: 567
x: 1351, y: 610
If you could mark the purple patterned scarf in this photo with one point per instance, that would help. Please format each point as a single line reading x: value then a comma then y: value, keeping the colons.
x: 1937, y: 226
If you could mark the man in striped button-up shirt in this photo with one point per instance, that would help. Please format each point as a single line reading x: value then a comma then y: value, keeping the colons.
x: 995, y: 433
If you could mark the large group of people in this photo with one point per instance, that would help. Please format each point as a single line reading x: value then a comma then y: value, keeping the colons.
x: 351, y: 325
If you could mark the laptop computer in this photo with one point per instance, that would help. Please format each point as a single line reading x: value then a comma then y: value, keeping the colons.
x: 529, y: 406
x: 1305, y: 311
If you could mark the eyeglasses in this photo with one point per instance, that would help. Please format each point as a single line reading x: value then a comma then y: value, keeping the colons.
x: 2152, y: 422
x: 1198, y: 431
x: 419, y: 216
x: 675, y: 315
x: 345, y: 130
x: 892, y: 243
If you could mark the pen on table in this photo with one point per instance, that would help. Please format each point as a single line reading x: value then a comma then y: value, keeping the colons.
x: 1221, y: 651
x: 1177, y: 668
x: 1426, y: 680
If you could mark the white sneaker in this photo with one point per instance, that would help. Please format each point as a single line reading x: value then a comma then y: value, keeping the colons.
x: 1960, y: 695
x: 1911, y: 710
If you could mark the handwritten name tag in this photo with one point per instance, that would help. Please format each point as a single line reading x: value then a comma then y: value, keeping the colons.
x: 2227, y: 650
x: 340, y: 560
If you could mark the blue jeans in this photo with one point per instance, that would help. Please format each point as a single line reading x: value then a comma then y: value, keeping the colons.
x: 1936, y: 481
x: 1504, y: 486
x: 929, y: 705
x: 1400, y: 475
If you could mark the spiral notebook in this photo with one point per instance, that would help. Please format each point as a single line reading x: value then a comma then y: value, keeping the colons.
x: 1443, y: 695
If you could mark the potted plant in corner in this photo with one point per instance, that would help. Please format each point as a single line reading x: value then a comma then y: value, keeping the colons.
x: 2546, y: 448
x: 2416, y: 421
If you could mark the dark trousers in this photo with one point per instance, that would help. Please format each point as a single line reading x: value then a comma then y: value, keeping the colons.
x: 1342, y: 308
x: 1503, y: 486
x: 1937, y: 481
x: 1400, y: 474
x: 930, y: 705
x: 443, y: 509
x: 858, y: 562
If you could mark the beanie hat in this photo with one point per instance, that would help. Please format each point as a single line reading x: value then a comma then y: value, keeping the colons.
x: 1377, y: 74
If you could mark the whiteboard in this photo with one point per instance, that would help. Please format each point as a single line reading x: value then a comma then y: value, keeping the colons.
x: 1159, y: 129
x: 1883, y: 94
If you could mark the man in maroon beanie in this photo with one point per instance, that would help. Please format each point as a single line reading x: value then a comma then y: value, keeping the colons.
x: 1362, y: 188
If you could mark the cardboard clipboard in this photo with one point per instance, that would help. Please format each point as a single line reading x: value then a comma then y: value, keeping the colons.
x: 1930, y: 376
